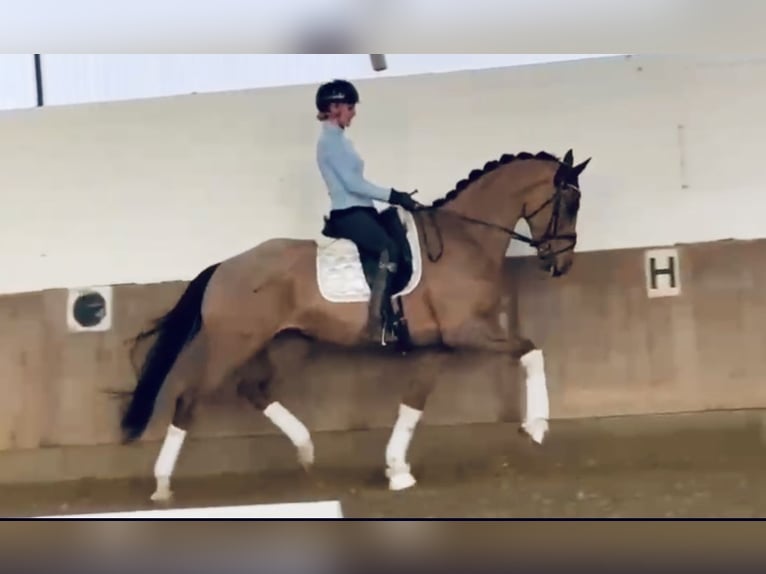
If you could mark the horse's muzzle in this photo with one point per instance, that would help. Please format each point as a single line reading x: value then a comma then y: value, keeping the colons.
x: 549, y: 265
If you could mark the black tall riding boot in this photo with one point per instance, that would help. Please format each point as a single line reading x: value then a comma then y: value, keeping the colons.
x: 380, y: 296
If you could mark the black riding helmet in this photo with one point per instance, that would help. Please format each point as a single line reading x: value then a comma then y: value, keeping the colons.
x: 336, y: 91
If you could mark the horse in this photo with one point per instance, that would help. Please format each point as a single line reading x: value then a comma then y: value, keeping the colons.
x: 222, y: 325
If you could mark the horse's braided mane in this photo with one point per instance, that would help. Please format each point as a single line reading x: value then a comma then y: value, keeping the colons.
x: 489, y: 167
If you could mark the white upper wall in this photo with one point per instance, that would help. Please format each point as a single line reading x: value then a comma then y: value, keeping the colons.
x: 17, y: 81
x: 93, y: 78
x: 155, y: 190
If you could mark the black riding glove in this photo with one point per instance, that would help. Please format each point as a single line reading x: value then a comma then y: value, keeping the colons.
x: 403, y: 199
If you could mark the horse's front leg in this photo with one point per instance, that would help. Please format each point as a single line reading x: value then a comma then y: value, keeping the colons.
x: 491, y: 336
x: 424, y: 369
x: 537, y: 409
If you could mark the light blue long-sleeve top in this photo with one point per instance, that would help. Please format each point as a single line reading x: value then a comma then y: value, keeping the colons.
x: 343, y: 171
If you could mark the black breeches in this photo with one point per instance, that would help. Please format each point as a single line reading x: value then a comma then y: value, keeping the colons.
x: 361, y: 226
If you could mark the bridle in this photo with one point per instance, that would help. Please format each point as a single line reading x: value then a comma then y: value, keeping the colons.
x: 551, y: 231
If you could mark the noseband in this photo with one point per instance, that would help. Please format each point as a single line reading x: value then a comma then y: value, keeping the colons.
x: 552, y: 230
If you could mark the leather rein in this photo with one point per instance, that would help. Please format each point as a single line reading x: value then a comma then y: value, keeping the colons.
x: 551, y: 231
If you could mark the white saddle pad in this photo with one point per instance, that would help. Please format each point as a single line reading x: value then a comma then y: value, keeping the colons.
x: 339, y: 267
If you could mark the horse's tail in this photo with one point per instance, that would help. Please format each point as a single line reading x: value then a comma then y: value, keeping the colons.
x: 176, y: 329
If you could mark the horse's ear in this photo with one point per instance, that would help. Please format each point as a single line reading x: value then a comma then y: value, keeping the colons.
x: 569, y: 157
x: 577, y: 170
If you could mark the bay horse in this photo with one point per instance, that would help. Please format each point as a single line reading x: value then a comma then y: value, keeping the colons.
x: 229, y: 314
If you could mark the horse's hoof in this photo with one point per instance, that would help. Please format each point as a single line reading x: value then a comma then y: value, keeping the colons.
x: 401, y: 481
x: 536, y: 429
x: 162, y: 496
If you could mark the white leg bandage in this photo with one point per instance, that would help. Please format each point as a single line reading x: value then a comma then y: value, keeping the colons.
x: 171, y: 447
x: 538, y: 408
x: 537, y: 392
x: 288, y: 423
x: 295, y: 430
x: 398, y: 444
x: 166, y: 462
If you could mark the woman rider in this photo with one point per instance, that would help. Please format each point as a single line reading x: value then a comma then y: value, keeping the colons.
x: 352, y: 213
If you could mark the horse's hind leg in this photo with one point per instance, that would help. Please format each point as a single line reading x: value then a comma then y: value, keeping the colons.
x: 203, y: 366
x: 259, y: 395
x: 184, y: 387
x: 256, y: 383
x: 171, y: 446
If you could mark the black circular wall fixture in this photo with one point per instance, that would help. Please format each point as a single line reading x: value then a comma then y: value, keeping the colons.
x: 89, y: 309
